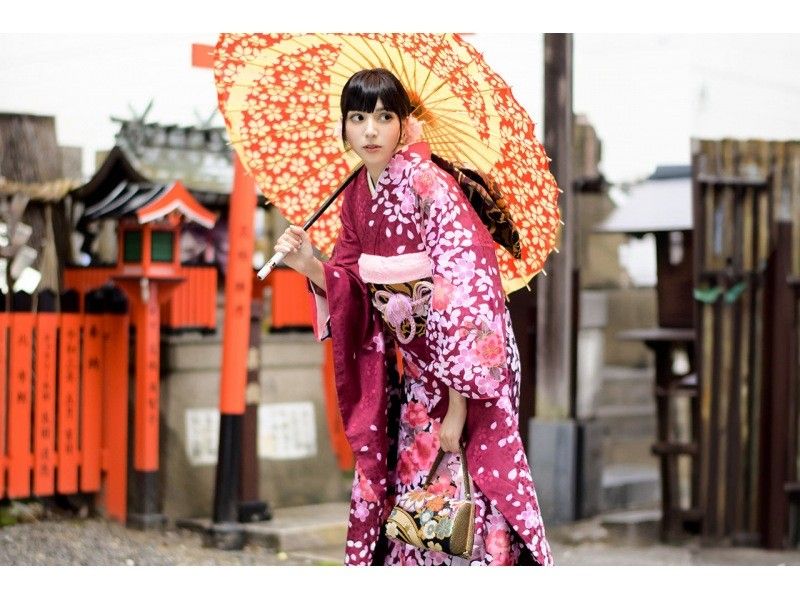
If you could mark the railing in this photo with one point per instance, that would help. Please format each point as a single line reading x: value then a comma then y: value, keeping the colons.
x: 193, y: 304
x: 64, y: 398
x: 747, y: 240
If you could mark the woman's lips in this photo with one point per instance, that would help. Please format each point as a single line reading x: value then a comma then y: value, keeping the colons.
x: 372, y: 148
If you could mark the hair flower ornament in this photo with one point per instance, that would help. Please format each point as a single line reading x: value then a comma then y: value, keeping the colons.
x: 413, y: 130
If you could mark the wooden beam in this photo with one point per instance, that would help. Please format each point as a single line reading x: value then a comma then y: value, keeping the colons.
x: 556, y: 325
x: 203, y: 56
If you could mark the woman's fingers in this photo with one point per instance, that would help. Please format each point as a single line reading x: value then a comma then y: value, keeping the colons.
x: 448, y: 444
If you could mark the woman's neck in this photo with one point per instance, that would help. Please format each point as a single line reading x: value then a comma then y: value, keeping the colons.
x: 374, y: 174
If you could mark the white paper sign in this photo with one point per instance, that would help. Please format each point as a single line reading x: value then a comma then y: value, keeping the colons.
x: 202, y: 436
x: 287, y: 431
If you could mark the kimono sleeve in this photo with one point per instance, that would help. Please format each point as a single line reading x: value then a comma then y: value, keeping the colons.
x: 342, y: 264
x: 465, y: 326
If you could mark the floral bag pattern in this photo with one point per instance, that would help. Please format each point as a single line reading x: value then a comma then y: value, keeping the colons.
x: 433, y: 520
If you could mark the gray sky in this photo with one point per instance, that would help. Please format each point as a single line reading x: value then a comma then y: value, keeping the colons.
x: 646, y: 94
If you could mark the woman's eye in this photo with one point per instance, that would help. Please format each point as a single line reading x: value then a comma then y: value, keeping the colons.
x: 387, y: 116
x: 356, y: 117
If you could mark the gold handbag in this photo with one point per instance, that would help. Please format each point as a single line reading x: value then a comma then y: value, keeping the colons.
x: 435, y: 521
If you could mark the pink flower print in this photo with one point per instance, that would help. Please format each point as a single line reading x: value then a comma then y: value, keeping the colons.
x: 490, y: 350
x: 366, y: 488
x: 497, y: 325
x: 504, y: 403
x: 498, y: 544
x: 416, y: 415
x: 495, y: 520
x: 443, y: 485
x: 424, y: 182
x: 418, y: 392
x: 424, y: 450
x: 461, y: 296
x: 439, y: 196
x: 528, y: 517
x: 465, y: 359
x: 442, y: 292
x: 408, y: 202
x: 486, y: 385
x: 405, y: 467
x: 464, y: 268
x: 362, y: 512
x: 397, y: 165
x: 436, y: 558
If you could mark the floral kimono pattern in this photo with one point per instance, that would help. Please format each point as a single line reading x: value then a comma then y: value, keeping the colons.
x: 414, y: 270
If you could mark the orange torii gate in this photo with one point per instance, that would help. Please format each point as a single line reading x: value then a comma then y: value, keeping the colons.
x: 225, y: 531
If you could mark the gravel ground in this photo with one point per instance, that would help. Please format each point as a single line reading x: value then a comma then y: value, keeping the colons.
x: 56, y: 540
x: 47, y: 537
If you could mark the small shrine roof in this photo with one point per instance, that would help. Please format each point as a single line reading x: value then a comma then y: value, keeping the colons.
x: 149, y: 201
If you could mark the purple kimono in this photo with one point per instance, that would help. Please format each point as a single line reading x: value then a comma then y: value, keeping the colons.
x: 414, y: 270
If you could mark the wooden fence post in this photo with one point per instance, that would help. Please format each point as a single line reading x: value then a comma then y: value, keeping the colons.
x: 19, y: 407
x: 69, y: 360
x: 116, y: 322
x: 44, y: 403
x: 778, y: 308
x: 91, y: 392
x: 3, y: 391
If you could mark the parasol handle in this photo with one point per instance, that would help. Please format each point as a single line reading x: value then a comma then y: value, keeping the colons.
x: 270, y: 265
x: 278, y: 257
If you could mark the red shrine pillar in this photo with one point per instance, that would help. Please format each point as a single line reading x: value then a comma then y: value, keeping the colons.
x: 235, y: 494
x: 226, y: 533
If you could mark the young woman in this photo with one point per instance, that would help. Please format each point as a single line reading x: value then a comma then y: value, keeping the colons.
x: 414, y: 270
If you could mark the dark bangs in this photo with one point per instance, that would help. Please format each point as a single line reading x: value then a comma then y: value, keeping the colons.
x: 363, y: 89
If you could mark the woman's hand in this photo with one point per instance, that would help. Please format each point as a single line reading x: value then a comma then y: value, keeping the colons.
x: 453, y: 423
x: 294, y: 242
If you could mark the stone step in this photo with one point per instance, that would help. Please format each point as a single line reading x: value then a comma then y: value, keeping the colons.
x: 628, y: 451
x: 319, y: 529
x: 626, y: 386
x: 626, y: 413
x: 628, y: 433
x: 634, y: 527
x: 628, y: 486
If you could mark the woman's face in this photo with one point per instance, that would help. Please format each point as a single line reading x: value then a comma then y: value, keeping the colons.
x: 374, y: 136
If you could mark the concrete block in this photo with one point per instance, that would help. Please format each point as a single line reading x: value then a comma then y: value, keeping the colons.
x: 590, y: 370
x: 590, y: 468
x: 593, y: 309
x: 552, y: 450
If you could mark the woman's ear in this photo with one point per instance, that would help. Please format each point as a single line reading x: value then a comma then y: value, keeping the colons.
x: 404, y: 131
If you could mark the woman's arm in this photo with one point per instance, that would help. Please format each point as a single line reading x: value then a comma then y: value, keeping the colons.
x: 315, y: 273
x: 453, y: 422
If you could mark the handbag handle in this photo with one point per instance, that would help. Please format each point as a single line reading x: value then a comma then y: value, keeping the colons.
x: 467, y: 478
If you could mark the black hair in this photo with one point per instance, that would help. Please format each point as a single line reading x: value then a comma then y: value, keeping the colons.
x: 363, y: 90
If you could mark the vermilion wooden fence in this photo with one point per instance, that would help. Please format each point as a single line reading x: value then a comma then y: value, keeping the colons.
x: 290, y: 307
x: 192, y: 305
x: 64, y: 398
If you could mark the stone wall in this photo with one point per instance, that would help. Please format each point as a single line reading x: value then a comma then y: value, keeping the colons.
x: 297, y: 464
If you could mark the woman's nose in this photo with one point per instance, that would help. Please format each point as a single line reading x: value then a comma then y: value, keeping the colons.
x: 370, y: 128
